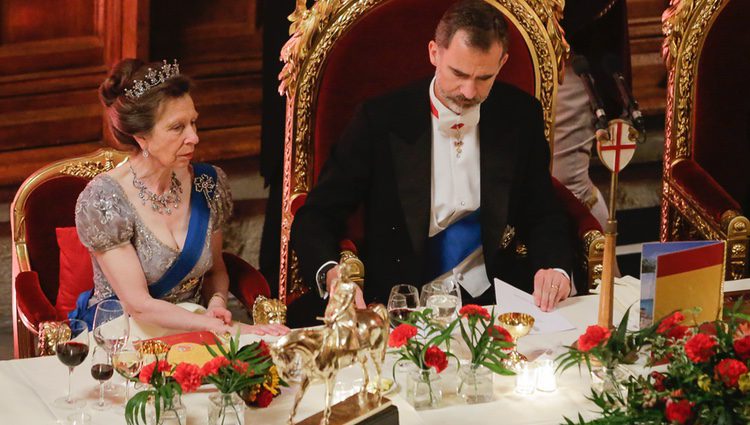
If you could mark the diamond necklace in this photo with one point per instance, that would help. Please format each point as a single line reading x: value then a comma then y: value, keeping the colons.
x: 163, y: 203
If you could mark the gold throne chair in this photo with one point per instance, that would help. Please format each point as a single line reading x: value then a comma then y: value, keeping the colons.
x: 706, y: 188
x: 342, y: 52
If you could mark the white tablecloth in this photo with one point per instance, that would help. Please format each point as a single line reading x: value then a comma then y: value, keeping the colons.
x: 28, y: 387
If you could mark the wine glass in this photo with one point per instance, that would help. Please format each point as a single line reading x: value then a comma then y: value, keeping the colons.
x: 101, y: 370
x: 402, y: 301
x: 444, y: 299
x: 72, y: 351
x: 397, y: 309
x: 111, y: 326
x: 111, y: 329
x: 128, y: 363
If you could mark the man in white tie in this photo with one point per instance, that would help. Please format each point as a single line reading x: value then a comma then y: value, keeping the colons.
x: 452, y: 171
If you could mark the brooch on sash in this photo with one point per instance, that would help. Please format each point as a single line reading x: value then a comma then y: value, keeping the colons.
x: 205, y: 185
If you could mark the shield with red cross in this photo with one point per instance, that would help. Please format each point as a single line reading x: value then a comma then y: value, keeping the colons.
x: 617, y: 152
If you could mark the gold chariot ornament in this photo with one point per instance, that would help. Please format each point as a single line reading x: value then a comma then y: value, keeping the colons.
x: 348, y: 335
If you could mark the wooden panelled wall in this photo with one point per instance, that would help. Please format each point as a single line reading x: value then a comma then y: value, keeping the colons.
x: 54, y: 54
x: 649, y: 73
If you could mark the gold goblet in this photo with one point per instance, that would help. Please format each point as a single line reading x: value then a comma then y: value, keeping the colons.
x: 517, y: 325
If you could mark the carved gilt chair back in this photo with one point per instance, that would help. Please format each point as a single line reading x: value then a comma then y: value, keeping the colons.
x: 345, y: 51
x: 44, y: 202
x: 706, y: 186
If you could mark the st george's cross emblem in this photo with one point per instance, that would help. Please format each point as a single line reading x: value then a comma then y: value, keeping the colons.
x: 618, y: 150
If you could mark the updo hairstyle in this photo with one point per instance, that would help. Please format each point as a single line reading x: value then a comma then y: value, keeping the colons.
x: 130, y: 117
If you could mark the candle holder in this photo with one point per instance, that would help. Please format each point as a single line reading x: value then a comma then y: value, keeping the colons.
x: 526, y: 378
x: 546, y: 380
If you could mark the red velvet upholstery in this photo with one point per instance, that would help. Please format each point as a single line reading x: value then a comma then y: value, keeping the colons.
x: 703, y: 189
x: 76, y: 270
x: 721, y: 125
x: 31, y: 302
x: 581, y: 216
x: 245, y: 282
x: 51, y: 206
x: 373, y: 58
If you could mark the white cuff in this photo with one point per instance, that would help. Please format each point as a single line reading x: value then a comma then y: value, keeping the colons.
x: 320, y: 278
x: 573, y: 291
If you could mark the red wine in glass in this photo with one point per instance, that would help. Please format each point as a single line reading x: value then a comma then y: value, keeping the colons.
x: 102, y: 372
x: 399, y: 315
x: 72, y: 353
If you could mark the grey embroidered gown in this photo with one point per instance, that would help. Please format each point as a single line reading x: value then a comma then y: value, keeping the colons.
x: 106, y: 219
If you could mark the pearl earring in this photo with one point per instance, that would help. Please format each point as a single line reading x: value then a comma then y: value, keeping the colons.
x: 145, y: 153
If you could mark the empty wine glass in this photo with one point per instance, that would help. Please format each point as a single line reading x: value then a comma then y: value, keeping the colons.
x: 101, y: 370
x: 111, y: 325
x: 128, y: 363
x: 72, y: 351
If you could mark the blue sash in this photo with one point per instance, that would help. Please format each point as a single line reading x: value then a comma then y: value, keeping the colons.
x: 450, y: 247
x: 200, y: 214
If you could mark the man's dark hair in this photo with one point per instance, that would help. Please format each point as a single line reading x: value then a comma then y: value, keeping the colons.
x: 483, y: 23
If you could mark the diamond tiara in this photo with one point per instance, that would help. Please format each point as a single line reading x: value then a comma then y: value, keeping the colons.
x: 152, y: 79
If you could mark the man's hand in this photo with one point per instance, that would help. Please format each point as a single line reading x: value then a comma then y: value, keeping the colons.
x: 550, y: 287
x: 332, y: 275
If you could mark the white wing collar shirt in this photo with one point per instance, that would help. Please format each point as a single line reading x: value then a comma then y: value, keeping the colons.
x: 456, y: 183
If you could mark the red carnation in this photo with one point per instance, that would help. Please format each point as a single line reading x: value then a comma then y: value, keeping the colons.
x: 264, y: 398
x: 669, y: 322
x: 658, y: 381
x: 240, y: 366
x: 594, y: 336
x: 264, y: 350
x: 700, y: 348
x: 729, y: 371
x: 499, y: 333
x: 677, y: 332
x: 435, y: 357
x: 742, y: 347
x: 678, y: 411
x: 401, y: 335
x: 474, y: 310
x: 164, y: 366
x: 213, y: 366
x: 146, y: 372
x: 189, y: 377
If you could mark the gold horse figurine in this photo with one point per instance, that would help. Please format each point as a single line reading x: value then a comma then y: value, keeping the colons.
x: 348, y: 335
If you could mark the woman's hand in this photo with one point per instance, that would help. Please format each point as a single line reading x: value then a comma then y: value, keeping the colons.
x: 217, y: 307
x: 220, y: 312
x: 271, y: 329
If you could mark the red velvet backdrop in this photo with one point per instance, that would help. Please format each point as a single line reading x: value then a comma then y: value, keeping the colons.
x: 721, y: 135
x: 50, y: 206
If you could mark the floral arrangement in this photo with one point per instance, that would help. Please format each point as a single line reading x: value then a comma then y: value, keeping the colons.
x: 263, y: 393
x: 165, y: 382
x: 238, y: 369
x: 248, y: 371
x: 424, y: 351
x: 706, y: 379
x: 608, y: 348
x: 485, y: 339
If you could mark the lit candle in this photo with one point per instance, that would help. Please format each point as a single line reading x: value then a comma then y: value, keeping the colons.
x: 525, y: 378
x: 546, y: 380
